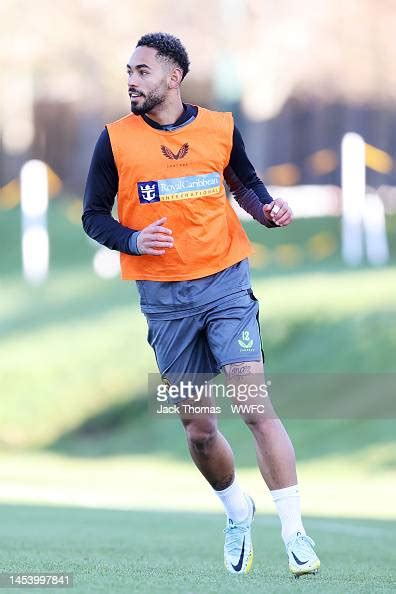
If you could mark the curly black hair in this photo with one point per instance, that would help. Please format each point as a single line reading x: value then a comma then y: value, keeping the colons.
x: 169, y: 47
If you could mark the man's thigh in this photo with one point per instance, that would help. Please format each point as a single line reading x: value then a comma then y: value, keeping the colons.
x: 181, y: 348
x: 233, y: 331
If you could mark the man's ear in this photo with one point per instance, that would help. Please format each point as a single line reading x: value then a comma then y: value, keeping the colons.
x: 175, y: 78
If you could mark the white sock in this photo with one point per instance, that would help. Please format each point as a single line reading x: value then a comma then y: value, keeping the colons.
x: 287, y: 502
x: 234, y: 501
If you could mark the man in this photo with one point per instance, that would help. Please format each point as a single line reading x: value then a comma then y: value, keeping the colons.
x: 182, y: 242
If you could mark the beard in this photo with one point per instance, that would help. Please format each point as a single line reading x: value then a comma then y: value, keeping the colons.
x: 151, y: 100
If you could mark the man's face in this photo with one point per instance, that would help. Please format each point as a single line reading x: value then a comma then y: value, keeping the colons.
x: 147, y: 80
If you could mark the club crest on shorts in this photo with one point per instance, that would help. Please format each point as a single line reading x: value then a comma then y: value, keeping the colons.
x: 245, y: 342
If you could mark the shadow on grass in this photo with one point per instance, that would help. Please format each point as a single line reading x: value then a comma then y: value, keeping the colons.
x: 325, y: 413
x: 130, y: 429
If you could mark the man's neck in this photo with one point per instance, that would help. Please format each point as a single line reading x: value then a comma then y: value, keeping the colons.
x: 166, y: 114
x: 188, y: 116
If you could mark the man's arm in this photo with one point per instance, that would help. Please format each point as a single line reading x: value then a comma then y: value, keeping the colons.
x: 100, y: 191
x: 248, y: 189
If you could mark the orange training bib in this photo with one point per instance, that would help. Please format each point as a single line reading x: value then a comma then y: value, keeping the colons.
x: 178, y: 175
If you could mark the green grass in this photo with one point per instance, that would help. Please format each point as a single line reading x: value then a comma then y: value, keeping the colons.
x: 57, y: 338
x: 350, y: 482
x: 75, y: 429
x: 74, y: 357
x: 163, y: 552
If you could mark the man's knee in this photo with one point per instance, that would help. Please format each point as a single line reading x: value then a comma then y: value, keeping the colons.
x: 201, y: 434
x: 258, y: 423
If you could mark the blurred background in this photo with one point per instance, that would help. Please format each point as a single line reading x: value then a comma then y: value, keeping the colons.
x: 312, y: 87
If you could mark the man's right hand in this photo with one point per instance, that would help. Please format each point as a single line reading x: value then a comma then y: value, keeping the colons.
x: 154, y: 238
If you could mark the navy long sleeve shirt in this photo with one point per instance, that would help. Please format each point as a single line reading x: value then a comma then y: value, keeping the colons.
x: 171, y: 299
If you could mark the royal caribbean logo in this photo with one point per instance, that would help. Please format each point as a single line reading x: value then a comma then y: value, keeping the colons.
x: 148, y: 192
x: 179, y: 188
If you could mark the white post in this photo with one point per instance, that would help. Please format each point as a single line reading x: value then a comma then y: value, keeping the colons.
x: 375, y: 231
x: 353, y: 182
x: 106, y: 263
x: 34, y: 205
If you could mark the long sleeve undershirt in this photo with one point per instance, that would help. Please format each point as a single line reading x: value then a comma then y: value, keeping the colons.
x: 172, y: 299
x: 102, y: 186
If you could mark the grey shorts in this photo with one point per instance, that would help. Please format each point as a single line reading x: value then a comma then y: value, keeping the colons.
x: 202, y: 343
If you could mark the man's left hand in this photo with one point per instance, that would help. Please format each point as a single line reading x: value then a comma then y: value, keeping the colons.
x: 279, y: 212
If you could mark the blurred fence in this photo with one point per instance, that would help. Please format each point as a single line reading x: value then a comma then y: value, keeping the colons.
x: 299, y: 146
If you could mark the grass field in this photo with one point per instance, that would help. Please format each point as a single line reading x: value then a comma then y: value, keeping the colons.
x: 92, y: 484
x: 117, y: 551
